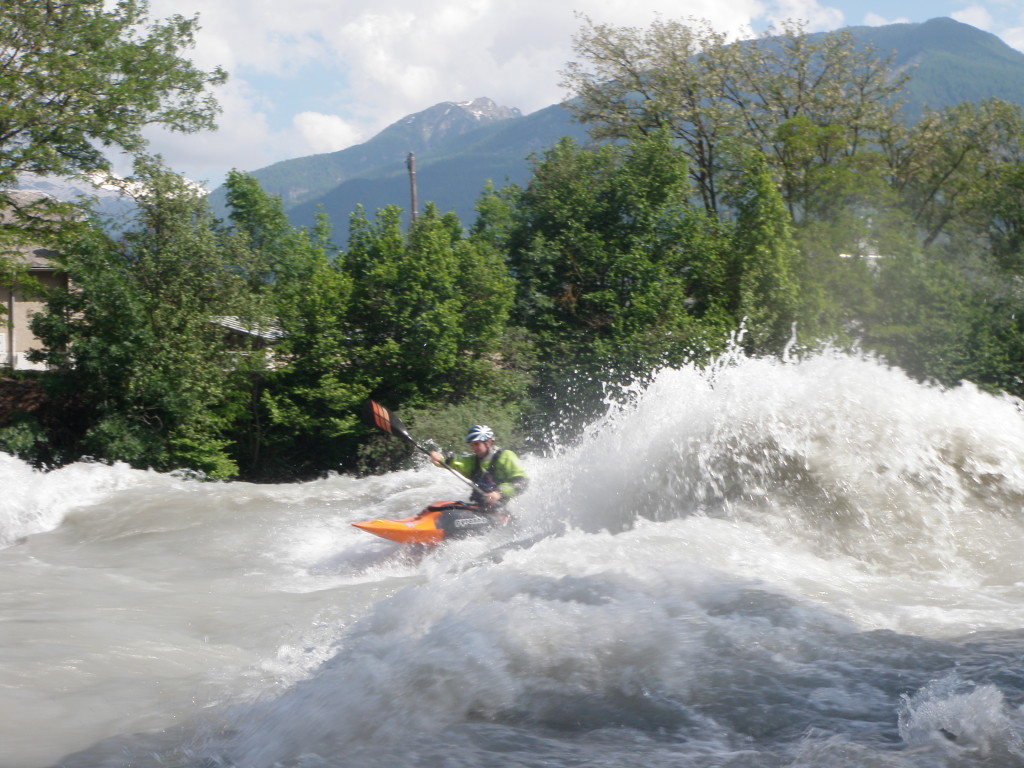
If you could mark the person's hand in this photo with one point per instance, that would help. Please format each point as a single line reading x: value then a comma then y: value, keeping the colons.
x: 492, y: 498
x: 437, y: 458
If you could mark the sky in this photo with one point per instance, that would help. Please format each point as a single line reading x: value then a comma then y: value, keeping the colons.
x: 316, y: 76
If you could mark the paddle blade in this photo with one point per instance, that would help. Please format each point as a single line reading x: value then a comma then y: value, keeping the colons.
x: 378, y: 416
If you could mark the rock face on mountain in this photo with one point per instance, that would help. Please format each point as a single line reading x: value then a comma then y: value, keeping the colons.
x: 448, y: 119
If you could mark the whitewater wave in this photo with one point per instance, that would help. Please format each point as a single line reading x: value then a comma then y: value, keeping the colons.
x: 840, y: 451
x: 35, y: 501
x: 764, y: 563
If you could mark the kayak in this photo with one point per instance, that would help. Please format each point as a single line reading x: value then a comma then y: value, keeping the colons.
x: 435, y: 523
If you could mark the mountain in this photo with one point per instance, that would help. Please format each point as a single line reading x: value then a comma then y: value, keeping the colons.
x: 949, y: 62
x: 460, y: 146
x: 451, y: 174
x: 111, y: 202
x: 442, y: 130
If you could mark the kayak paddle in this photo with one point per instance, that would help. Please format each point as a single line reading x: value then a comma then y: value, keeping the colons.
x: 376, y: 415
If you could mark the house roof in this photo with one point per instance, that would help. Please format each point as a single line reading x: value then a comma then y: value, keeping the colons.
x: 35, y: 258
x: 270, y: 332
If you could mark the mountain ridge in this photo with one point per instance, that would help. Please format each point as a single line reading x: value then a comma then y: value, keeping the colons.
x: 418, y: 132
x: 461, y: 145
x: 949, y: 62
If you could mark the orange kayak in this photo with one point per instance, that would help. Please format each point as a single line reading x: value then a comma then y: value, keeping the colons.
x: 439, y: 521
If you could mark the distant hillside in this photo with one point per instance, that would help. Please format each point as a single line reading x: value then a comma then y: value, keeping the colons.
x: 425, y: 133
x: 949, y: 62
x: 114, y: 207
x: 452, y: 174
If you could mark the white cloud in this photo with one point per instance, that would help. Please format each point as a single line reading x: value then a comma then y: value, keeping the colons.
x: 244, y: 140
x: 975, y: 15
x: 817, y: 17
x: 1014, y: 37
x: 326, y: 133
x: 874, y: 20
x: 359, y: 65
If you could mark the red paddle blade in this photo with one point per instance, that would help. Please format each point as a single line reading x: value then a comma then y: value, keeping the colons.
x: 378, y: 416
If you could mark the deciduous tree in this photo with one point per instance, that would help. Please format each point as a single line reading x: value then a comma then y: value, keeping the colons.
x: 135, y: 339
x: 616, y: 273
x: 763, y: 262
x: 429, y: 310
x: 78, y: 77
x: 810, y: 104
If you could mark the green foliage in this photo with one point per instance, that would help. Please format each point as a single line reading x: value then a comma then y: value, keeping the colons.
x: 634, y: 82
x: 83, y: 75
x: 763, y: 288
x: 135, y: 339
x: 24, y: 437
x: 314, y: 395
x: 79, y: 77
x: 428, y: 314
x: 1002, y: 200
x: 718, y: 99
x: 616, y: 274
x: 857, y: 190
x: 947, y: 167
x: 300, y: 418
x: 935, y: 324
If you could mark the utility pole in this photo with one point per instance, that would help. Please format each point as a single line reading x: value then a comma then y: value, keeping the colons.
x: 411, y: 165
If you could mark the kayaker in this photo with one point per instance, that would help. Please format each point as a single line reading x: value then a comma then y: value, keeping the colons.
x: 495, y: 470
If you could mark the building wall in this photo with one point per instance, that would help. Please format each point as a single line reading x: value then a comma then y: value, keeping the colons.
x: 17, y: 338
x: 19, y: 304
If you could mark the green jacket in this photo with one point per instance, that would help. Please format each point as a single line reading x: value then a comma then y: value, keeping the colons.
x: 501, y: 472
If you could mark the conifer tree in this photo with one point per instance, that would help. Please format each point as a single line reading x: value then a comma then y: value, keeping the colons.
x: 764, y: 292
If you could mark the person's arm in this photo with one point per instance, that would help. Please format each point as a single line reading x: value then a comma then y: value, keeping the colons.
x: 461, y: 464
x: 511, y: 476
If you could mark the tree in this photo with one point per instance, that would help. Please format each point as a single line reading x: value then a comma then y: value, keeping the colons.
x: 1003, y: 200
x: 719, y: 98
x: 302, y: 418
x: 937, y: 324
x: 78, y: 77
x: 838, y: 96
x: 616, y: 273
x: 634, y: 82
x: 429, y: 311
x: 954, y: 168
x: 135, y: 340
x: 763, y: 288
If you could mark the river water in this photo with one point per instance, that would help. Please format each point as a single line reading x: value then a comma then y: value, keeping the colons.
x: 813, y: 563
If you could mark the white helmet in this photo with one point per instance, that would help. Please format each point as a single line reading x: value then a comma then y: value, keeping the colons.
x: 478, y: 433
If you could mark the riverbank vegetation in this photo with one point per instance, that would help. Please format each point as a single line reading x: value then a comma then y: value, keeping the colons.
x: 769, y: 193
